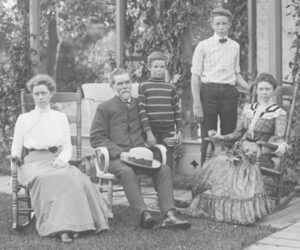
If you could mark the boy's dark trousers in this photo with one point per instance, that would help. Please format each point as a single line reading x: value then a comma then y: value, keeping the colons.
x: 217, y: 100
x: 160, y: 136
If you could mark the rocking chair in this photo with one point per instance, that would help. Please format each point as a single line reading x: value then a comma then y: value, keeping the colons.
x: 20, y: 194
x: 287, y: 96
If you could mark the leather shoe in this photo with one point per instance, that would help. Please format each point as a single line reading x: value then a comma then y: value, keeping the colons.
x: 172, y: 222
x: 147, y: 220
x: 65, y: 238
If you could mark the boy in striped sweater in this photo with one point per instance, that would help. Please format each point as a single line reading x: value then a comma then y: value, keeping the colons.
x: 159, y: 107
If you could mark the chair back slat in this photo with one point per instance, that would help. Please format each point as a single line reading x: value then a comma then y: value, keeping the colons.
x: 59, y: 102
x: 58, y: 97
x: 72, y: 119
x: 64, y: 97
x: 74, y: 140
x: 295, y: 99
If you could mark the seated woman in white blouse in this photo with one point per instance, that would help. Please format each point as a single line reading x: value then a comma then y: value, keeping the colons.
x: 64, y: 200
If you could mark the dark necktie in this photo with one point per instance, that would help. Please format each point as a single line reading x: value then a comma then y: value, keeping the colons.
x: 223, y: 40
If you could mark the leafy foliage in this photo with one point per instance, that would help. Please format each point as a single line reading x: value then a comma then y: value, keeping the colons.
x: 169, y: 26
x: 175, y: 28
x: 239, y: 29
x: 293, y: 157
x: 14, y: 69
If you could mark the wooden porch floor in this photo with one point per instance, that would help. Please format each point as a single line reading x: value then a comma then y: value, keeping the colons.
x: 288, y: 223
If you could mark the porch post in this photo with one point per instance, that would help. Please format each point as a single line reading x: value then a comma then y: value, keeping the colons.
x: 34, y: 30
x: 275, y: 39
x: 120, y: 31
x: 251, y: 39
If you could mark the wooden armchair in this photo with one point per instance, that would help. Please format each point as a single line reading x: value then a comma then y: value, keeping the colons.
x: 286, y: 97
x: 21, y: 205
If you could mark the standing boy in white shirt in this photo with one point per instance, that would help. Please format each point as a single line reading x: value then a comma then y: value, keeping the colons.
x: 215, y: 73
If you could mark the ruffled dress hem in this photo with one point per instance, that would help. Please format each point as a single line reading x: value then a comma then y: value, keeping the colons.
x: 230, y: 210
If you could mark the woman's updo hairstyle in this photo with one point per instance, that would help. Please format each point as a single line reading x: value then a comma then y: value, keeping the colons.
x: 41, y: 79
x: 265, y: 77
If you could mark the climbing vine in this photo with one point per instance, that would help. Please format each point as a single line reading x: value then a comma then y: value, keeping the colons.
x: 172, y: 26
x: 293, y: 158
x: 15, y: 69
x: 175, y: 28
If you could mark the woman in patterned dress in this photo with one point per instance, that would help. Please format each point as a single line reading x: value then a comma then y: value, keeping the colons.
x: 229, y: 187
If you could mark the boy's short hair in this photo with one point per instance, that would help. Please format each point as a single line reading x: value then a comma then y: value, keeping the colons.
x: 117, y: 72
x: 221, y: 12
x: 156, y: 56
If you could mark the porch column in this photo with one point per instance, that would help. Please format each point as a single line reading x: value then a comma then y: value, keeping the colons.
x: 120, y: 31
x: 275, y: 39
x: 34, y: 30
x: 251, y: 5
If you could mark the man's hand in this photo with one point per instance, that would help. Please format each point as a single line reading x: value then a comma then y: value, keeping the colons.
x: 251, y: 155
x: 179, y: 137
x: 198, y: 113
x: 59, y: 163
x: 241, y: 82
x: 122, y: 155
x: 173, y: 140
x: 151, y: 140
x: 214, y: 135
x: 282, y: 148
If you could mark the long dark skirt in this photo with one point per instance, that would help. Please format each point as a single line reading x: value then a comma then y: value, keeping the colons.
x: 63, y: 199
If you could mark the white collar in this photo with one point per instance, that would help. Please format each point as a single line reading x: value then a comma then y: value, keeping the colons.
x: 217, y: 37
x: 125, y: 101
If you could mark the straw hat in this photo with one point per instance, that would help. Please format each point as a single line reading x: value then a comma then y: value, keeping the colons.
x: 140, y: 157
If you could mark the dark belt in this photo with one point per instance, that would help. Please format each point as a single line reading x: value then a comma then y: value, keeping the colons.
x: 53, y: 150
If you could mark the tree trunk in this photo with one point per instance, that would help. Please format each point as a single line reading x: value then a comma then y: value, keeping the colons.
x: 191, y: 129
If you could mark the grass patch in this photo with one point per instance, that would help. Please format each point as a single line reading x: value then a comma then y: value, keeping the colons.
x: 125, y: 234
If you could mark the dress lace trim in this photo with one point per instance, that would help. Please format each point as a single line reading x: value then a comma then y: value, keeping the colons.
x: 272, y: 111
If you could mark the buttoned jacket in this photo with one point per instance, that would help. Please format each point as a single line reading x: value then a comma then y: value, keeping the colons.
x: 117, y: 126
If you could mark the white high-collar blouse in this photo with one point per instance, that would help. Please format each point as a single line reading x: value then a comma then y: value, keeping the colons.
x: 41, y: 129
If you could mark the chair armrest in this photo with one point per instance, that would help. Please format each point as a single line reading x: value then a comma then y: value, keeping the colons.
x: 211, y: 142
x: 16, y: 160
x: 163, y: 152
x: 268, y: 145
x: 101, y: 160
x: 15, y: 163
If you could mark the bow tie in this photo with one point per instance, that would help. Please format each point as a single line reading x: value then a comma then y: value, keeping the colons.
x: 223, y: 40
